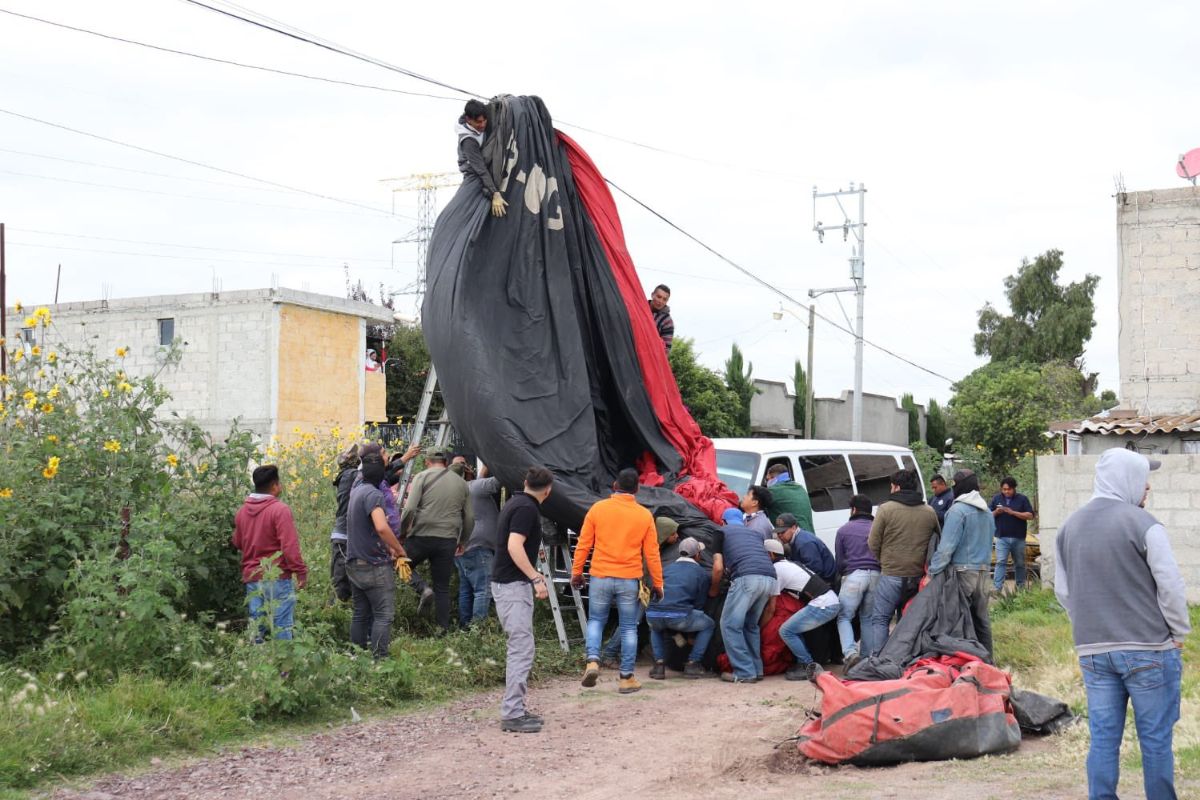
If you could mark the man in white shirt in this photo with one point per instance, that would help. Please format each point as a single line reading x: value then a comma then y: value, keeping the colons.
x: 822, y: 606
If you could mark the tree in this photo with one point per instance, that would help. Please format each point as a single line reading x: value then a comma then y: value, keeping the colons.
x: 914, y: 417
x: 798, y: 405
x: 1005, y: 408
x: 738, y: 379
x: 1049, y: 322
x: 407, y: 368
x: 715, y: 408
x: 935, y: 426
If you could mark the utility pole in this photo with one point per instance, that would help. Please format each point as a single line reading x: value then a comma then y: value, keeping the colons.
x: 425, y: 184
x: 857, y: 275
x: 808, y: 388
x: 3, y: 319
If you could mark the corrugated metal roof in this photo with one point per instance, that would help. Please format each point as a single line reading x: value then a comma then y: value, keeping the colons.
x: 1112, y: 424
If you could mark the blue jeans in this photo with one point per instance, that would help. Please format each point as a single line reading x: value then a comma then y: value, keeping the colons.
x: 474, y: 585
x: 695, y: 621
x: 603, y: 593
x: 612, y: 648
x: 806, y: 619
x: 1152, y: 680
x: 748, y: 596
x: 855, y: 597
x: 1016, y: 547
x: 890, y: 595
x: 277, y: 598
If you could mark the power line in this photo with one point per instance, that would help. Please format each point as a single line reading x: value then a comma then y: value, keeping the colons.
x: 193, y: 163
x: 301, y: 36
x: 225, y: 61
x: 773, y: 288
x: 194, y: 246
x: 175, y: 257
x: 176, y: 194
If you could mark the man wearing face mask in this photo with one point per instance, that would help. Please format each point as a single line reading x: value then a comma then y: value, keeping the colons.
x: 1115, y: 574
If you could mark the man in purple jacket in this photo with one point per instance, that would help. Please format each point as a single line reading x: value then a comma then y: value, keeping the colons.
x: 860, y: 572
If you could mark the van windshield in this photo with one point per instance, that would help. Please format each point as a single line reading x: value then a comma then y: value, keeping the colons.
x: 737, y: 468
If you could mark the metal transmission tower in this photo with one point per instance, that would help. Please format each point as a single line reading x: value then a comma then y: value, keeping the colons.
x: 856, y: 274
x: 425, y: 184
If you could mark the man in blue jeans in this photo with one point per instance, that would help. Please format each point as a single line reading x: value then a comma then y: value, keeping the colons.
x: 1115, y: 574
x: 821, y: 606
x: 859, y: 569
x: 474, y: 561
x: 681, y: 609
x: 264, y: 530
x: 752, y: 584
x: 1012, y: 512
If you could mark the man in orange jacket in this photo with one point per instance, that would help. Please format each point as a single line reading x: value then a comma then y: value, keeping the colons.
x: 622, y: 533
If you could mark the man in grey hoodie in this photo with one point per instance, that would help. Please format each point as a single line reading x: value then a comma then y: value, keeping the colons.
x: 471, y: 129
x: 966, y: 548
x: 1115, y: 574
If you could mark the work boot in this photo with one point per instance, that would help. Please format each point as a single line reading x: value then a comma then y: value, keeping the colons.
x: 628, y: 684
x: 591, y: 674
x: 426, y: 599
x: 729, y: 677
x: 659, y: 671
x: 812, y: 670
x: 693, y: 669
x: 797, y: 672
x: 523, y: 724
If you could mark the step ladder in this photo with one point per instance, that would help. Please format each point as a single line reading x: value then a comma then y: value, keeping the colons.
x: 554, y: 562
x: 418, y: 433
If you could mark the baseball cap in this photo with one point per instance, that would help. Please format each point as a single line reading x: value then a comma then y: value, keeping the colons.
x: 774, y: 546
x: 437, y: 455
x: 1154, y: 463
x: 784, y: 522
x: 691, y: 547
x: 733, y: 516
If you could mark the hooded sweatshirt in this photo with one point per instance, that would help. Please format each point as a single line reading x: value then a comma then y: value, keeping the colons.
x: 1114, y: 570
x: 901, y: 532
x: 470, y: 156
x: 966, y: 535
x: 263, y: 527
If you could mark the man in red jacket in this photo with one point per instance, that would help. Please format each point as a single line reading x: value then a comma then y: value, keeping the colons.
x: 264, y: 529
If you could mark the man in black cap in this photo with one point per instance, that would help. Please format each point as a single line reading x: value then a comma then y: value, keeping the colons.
x: 805, y: 548
x: 439, y: 518
x: 966, y: 548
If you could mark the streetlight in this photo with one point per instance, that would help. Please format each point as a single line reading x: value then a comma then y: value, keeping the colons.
x: 808, y: 388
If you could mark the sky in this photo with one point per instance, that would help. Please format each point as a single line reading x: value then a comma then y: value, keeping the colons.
x: 984, y: 134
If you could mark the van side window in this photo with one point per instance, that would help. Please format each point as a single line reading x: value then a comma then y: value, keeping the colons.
x: 828, y: 481
x: 785, y: 461
x: 873, y: 474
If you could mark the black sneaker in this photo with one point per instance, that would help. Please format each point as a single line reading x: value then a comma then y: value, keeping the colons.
x: 659, y: 671
x: 848, y: 661
x: 812, y: 670
x: 693, y: 669
x: 797, y: 672
x: 523, y: 724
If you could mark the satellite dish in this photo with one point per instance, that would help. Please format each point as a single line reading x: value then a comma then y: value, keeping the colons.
x: 1188, y: 167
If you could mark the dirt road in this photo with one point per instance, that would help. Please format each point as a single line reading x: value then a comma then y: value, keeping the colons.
x: 673, y: 739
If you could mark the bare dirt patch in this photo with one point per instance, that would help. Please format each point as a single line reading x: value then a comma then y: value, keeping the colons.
x: 673, y: 739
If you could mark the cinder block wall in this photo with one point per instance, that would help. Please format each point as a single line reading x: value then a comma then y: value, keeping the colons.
x: 1065, y: 483
x: 1158, y: 240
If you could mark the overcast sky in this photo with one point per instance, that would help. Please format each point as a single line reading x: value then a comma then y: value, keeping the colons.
x: 983, y: 137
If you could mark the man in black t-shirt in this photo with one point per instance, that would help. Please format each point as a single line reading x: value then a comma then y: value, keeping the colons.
x: 515, y: 583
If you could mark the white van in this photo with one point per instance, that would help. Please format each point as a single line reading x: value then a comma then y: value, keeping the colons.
x: 832, y: 472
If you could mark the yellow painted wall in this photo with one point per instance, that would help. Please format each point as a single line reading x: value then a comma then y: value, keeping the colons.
x: 376, y: 389
x: 320, y: 360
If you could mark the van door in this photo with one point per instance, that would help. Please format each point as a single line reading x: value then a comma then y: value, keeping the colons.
x: 873, y: 475
x: 830, y: 487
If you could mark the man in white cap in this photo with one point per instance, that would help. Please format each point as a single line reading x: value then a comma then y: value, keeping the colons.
x: 822, y: 605
x: 1115, y: 574
x: 681, y: 609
